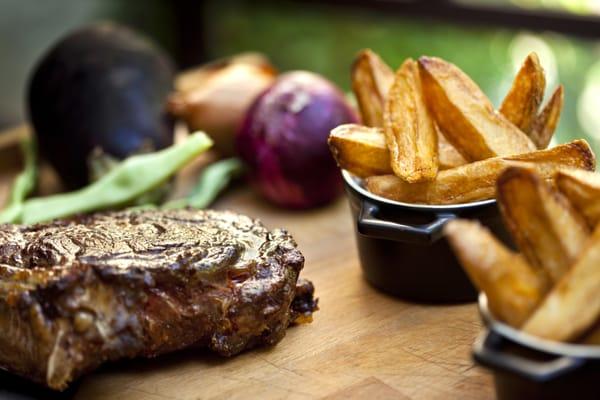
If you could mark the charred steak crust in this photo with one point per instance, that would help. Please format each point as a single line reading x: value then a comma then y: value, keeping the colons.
x: 79, y: 292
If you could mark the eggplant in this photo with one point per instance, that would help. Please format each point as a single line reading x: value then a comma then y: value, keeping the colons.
x: 101, y: 88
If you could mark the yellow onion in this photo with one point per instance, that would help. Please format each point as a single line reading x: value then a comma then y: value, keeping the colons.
x: 214, y: 98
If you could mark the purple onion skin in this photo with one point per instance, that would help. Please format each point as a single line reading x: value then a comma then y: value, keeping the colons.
x: 283, y: 139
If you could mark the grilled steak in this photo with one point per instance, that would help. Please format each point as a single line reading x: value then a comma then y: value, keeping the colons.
x: 79, y: 292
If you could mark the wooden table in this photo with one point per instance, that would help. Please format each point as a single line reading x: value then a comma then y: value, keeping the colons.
x: 362, y: 344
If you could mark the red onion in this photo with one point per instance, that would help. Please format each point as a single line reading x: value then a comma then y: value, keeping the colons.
x: 283, y: 139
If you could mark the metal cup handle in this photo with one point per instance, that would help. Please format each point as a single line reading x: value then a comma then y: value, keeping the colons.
x: 488, y: 351
x: 368, y: 224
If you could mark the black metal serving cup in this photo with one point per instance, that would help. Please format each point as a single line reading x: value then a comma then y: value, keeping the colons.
x: 528, y: 367
x: 401, y: 247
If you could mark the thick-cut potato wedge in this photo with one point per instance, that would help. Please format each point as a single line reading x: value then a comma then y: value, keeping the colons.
x: 448, y: 156
x: 542, y: 222
x: 593, y: 336
x: 521, y: 104
x: 546, y: 122
x: 466, y: 116
x: 582, y: 188
x: 360, y: 150
x: 371, y: 80
x: 512, y: 287
x: 573, y: 305
x: 477, y: 181
x: 409, y: 130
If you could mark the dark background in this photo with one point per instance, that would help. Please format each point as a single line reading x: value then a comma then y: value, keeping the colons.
x: 488, y: 39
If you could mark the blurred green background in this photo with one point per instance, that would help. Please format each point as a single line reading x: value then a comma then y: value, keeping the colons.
x: 323, y: 38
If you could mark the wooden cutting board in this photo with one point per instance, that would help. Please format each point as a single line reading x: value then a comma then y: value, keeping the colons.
x: 361, y: 344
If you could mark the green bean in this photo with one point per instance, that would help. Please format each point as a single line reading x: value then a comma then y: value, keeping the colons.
x: 130, y: 179
x: 23, y: 185
x: 214, y: 178
x: 102, y: 163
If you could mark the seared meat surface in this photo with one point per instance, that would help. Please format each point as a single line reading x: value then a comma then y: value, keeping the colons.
x: 79, y: 292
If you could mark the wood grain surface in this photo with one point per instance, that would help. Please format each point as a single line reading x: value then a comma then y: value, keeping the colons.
x: 361, y: 344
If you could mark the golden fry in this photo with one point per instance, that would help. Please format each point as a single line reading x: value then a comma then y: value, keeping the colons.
x: 409, y: 131
x: 546, y: 122
x: 542, y: 222
x: 448, y: 156
x: 512, y: 287
x: 573, y: 305
x: 477, y: 181
x: 521, y: 104
x: 371, y: 80
x: 360, y: 150
x: 593, y: 336
x: 466, y: 116
x: 582, y: 188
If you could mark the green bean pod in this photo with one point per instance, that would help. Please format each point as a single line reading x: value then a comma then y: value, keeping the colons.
x: 23, y: 185
x: 212, y: 181
x: 132, y: 178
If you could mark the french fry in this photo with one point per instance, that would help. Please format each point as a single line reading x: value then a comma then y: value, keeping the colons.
x: 512, y: 287
x: 573, y: 305
x: 360, y: 150
x: 593, y: 336
x: 476, y: 181
x: 409, y: 130
x: 582, y: 188
x: 521, y: 104
x: 448, y: 156
x: 371, y: 80
x: 542, y: 222
x: 546, y: 122
x: 466, y: 116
